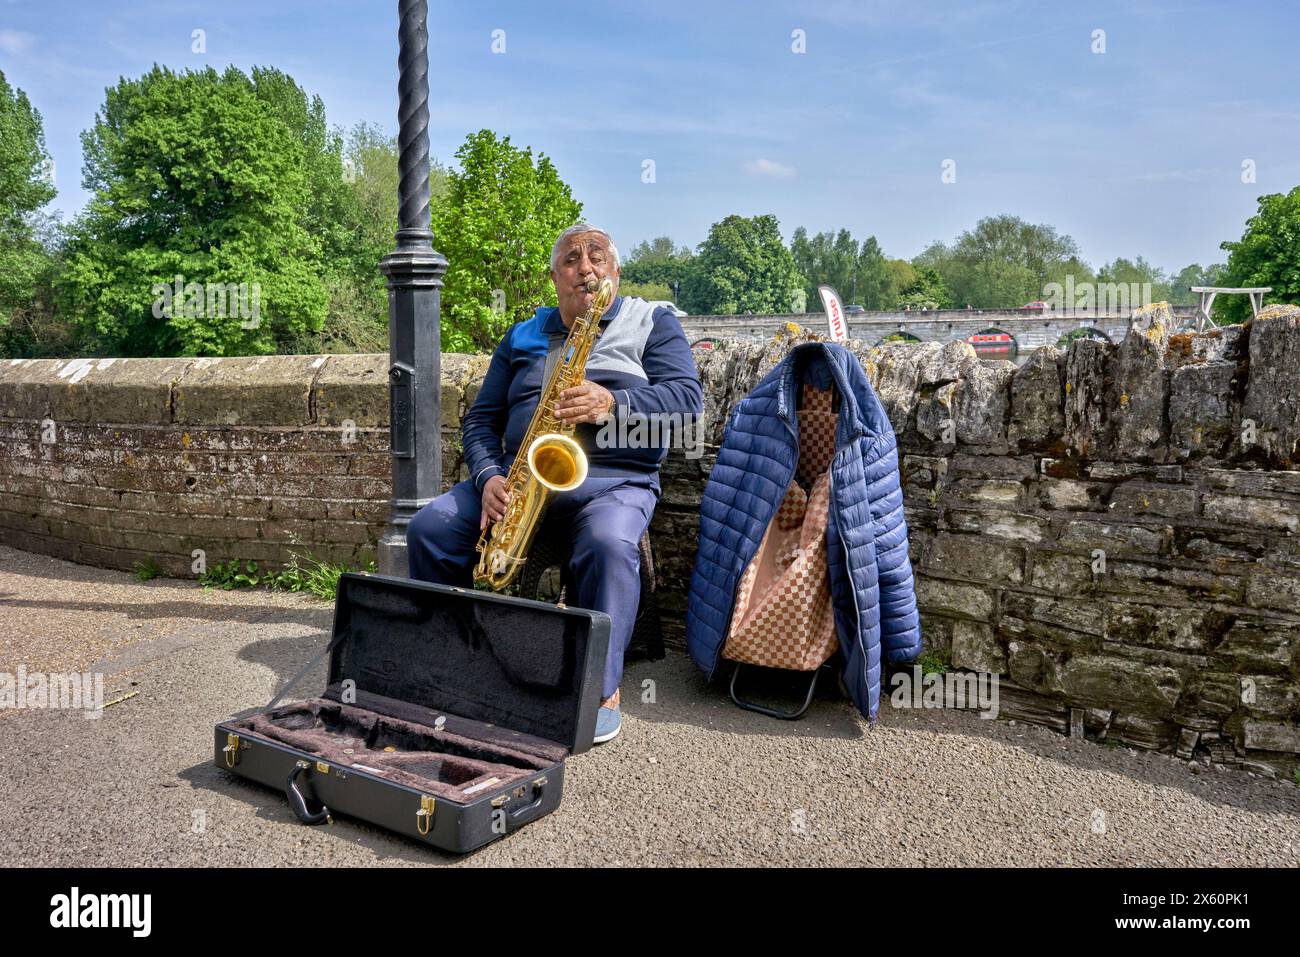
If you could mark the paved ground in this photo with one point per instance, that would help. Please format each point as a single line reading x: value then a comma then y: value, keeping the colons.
x: 691, y: 780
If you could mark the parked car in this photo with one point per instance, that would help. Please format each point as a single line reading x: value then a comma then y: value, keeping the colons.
x: 853, y: 310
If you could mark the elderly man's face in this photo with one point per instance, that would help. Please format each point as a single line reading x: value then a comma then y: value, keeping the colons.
x: 585, y: 256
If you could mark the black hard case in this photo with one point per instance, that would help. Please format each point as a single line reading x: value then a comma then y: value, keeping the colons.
x: 463, y: 682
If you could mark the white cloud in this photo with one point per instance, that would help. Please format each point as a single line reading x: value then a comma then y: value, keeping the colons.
x: 767, y: 167
x: 15, y: 43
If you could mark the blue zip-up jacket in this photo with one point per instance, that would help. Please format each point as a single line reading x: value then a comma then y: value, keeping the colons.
x: 641, y: 356
x: 872, y: 593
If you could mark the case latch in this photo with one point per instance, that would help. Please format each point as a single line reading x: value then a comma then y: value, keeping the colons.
x: 424, y: 816
x: 231, y: 750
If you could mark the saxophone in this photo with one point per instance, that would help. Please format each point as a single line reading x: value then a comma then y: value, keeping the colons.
x: 551, y: 459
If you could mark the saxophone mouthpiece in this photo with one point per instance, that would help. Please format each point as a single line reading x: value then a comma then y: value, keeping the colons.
x: 592, y: 286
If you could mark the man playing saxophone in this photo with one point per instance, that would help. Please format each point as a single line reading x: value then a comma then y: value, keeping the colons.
x: 640, y: 366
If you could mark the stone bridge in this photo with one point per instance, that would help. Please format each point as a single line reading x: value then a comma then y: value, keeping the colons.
x: 1029, y: 328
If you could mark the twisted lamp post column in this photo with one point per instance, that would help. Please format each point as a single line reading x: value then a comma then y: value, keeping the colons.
x: 414, y: 272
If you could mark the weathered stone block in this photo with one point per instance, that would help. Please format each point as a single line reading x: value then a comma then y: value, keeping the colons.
x: 966, y: 465
x: 1177, y: 585
x: 1267, y: 588
x: 1019, y: 528
x: 1069, y: 494
x: 1144, y: 498
x: 1272, y: 736
x: 974, y: 647
x: 116, y: 391
x: 1086, y: 404
x: 1115, y: 539
x: 1269, y: 696
x: 1085, y: 617
x: 1062, y: 574
x: 1033, y: 667
x: 940, y: 597
x: 1121, y: 683
x: 1171, y: 474
x: 1138, y: 392
x: 1142, y: 732
x: 1006, y: 493
x: 1037, y: 400
x: 1021, y: 704
x: 982, y: 402
x: 1201, y: 409
x: 1182, y: 629
x: 247, y: 390
x: 354, y: 388
x: 1259, y: 645
x: 1268, y: 513
x: 893, y: 370
x: 1272, y: 399
x: 936, y: 635
x: 972, y: 557
x: 1252, y: 481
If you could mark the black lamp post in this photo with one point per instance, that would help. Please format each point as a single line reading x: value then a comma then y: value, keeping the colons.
x: 414, y: 272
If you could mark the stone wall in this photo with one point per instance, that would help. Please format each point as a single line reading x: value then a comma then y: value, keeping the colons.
x: 1113, y: 530
x: 113, y: 461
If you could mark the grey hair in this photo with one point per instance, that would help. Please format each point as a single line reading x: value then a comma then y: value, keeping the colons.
x: 577, y: 229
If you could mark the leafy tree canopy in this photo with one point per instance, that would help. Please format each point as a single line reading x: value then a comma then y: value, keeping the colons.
x: 1003, y: 262
x: 742, y: 266
x: 502, y: 212
x: 1268, y: 254
x: 658, y: 261
x: 25, y: 189
x: 218, y: 179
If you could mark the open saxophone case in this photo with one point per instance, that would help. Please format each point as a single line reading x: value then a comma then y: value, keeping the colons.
x: 783, y: 618
x: 447, y: 716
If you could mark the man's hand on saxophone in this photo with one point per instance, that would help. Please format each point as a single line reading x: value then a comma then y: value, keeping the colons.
x: 494, y: 501
x: 585, y: 402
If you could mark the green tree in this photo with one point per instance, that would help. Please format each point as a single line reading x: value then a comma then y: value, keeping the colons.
x: 926, y: 291
x: 501, y: 215
x: 357, y: 318
x: 902, y: 274
x: 826, y: 259
x: 658, y: 261
x: 876, y: 285
x: 195, y: 175
x: 1180, y: 286
x: 1135, y: 276
x: 1268, y: 254
x: 742, y: 266
x: 25, y: 190
x: 1003, y: 262
x: 649, y: 291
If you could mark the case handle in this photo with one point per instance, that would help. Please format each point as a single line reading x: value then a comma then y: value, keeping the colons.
x: 538, y: 785
x: 298, y: 802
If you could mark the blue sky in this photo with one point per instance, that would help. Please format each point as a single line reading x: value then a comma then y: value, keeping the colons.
x: 1134, y: 151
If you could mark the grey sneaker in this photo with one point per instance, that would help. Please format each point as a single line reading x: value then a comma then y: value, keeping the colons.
x: 608, y: 723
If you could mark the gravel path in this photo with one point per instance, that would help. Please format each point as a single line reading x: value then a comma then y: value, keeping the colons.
x: 691, y: 779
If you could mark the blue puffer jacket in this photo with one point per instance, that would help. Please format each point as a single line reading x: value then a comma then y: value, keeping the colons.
x: 871, y: 575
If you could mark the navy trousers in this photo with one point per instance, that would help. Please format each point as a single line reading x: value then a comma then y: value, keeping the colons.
x: 606, y: 517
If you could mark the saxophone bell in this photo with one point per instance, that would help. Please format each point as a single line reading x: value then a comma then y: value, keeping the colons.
x: 557, y: 461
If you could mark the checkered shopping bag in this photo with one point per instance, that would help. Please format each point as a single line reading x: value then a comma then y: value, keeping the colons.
x: 782, y: 616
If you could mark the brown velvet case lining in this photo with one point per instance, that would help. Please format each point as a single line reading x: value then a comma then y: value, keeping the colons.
x: 441, y: 761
